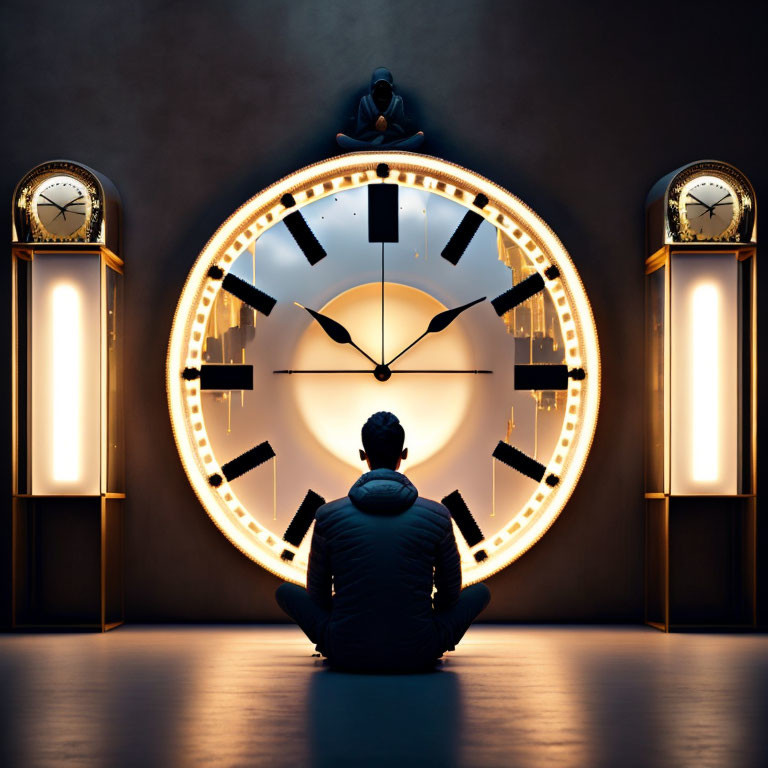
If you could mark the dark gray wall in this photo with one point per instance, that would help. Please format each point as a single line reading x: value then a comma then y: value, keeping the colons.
x: 192, y: 107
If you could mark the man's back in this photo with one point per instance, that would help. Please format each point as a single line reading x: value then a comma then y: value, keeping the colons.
x: 381, y: 546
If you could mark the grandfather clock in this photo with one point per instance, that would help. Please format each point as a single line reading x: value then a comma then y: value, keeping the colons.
x: 68, y: 448
x: 700, y: 415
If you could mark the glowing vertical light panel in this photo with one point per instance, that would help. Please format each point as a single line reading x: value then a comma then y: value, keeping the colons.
x: 65, y: 374
x: 66, y: 386
x: 705, y: 394
x: 704, y: 373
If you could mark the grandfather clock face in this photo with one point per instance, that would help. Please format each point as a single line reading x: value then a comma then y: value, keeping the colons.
x: 61, y: 207
x: 709, y: 208
x: 383, y: 281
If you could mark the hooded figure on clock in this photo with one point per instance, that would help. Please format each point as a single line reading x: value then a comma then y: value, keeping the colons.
x: 380, y: 122
x: 384, y: 581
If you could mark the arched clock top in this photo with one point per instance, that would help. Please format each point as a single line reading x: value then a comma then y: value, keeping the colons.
x: 62, y: 201
x: 706, y: 201
x: 263, y: 300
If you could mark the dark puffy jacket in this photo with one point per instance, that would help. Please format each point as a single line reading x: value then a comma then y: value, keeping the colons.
x: 382, y: 548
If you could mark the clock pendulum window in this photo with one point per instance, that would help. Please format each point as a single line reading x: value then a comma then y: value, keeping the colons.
x: 68, y: 452
x: 315, y: 305
x: 700, y: 338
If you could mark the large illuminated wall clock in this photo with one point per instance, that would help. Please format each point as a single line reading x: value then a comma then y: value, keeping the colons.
x: 383, y: 281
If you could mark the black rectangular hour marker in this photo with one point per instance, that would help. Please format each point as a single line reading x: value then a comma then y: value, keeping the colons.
x: 541, y: 376
x: 519, y: 461
x: 525, y: 465
x: 305, y: 239
x: 459, y: 510
x: 248, y: 460
x: 298, y: 527
x: 464, y: 233
x: 248, y: 293
x: 522, y: 291
x: 518, y: 294
x: 382, y: 213
x: 223, y: 377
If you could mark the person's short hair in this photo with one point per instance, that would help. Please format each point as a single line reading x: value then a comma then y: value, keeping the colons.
x: 383, y: 438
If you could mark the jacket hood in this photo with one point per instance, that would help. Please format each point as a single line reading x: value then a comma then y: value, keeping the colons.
x: 381, y: 73
x: 383, y: 492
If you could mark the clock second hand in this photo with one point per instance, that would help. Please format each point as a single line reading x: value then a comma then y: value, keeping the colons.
x: 382, y: 303
x: 425, y: 370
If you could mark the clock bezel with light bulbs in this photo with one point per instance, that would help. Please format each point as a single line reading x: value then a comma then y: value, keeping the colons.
x: 194, y: 381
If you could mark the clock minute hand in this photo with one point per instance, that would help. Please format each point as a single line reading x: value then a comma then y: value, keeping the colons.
x: 439, y: 323
x: 335, y: 331
x: 62, y: 211
x: 55, y: 205
x: 74, y: 201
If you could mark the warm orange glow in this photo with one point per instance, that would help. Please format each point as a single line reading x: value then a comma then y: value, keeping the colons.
x: 334, y: 407
x: 66, y: 374
x: 66, y: 386
x: 705, y: 395
x: 704, y: 373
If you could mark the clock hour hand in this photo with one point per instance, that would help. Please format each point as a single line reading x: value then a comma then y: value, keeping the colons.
x: 719, y: 202
x: 439, y: 323
x: 65, y: 210
x: 55, y: 205
x: 335, y: 330
x: 697, y: 200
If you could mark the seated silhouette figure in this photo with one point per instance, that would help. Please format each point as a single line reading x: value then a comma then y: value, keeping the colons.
x: 380, y: 122
x: 377, y: 557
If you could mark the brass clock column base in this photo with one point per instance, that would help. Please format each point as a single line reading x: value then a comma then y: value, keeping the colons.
x: 700, y: 555
x: 67, y: 562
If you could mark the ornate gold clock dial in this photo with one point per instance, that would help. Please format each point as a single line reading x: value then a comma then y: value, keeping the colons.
x: 709, y: 208
x: 707, y: 201
x: 61, y: 207
x: 383, y: 281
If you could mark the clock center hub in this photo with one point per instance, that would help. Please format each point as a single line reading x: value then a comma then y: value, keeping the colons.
x: 382, y: 372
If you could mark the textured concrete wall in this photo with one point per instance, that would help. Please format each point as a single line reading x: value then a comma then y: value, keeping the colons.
x: 192, y: 107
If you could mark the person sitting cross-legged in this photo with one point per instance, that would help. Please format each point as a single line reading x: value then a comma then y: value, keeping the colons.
x: 377, y: 557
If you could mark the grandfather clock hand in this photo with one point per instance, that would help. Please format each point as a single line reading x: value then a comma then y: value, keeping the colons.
x: 65, y: 209
x: 335, y: 330
x: 719, y: 202
x: 700, y: 202
x: 439, y: 323
x: 72, y: 202
x: 55, y: 205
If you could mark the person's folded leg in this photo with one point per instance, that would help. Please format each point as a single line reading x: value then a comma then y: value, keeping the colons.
x: 310, y: 617
x: 455, y: 620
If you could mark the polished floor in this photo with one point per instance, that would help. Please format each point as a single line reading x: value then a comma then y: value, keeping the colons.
x: 508, y: 696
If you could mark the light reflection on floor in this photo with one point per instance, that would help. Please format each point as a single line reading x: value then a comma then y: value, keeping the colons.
x: 510, y: 696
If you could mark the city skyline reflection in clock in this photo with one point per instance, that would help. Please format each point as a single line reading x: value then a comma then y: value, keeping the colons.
x: 383, y: 281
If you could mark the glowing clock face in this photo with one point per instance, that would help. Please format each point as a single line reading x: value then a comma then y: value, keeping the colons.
x: 709, y: 208
x: 61, y: 206
x: 383, y: 281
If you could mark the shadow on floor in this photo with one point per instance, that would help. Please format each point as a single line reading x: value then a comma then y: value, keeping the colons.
x: 380, y: 720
